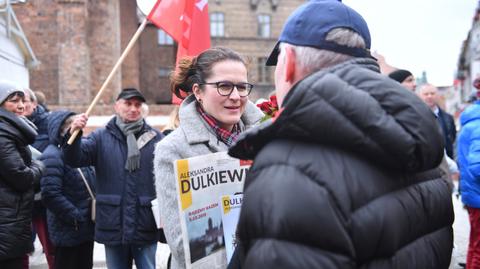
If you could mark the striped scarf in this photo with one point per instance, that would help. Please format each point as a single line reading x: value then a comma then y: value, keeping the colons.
x: 227, y: 137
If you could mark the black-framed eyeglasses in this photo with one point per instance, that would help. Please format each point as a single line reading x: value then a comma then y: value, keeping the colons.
x: 225, y: 88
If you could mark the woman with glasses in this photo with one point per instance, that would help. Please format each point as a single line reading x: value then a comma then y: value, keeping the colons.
x: 19, y: 174
x: 215, y: 111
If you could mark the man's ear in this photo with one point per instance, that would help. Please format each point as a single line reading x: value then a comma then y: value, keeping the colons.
x: 290, y: 66
x: 115, y: 106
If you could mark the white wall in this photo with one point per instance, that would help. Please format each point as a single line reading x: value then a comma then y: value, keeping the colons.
x: 12, y: 61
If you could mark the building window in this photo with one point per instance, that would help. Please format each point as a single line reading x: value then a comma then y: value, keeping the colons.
x: 264, y: 25
x: 263, y: 71
x: 217, y: 24
x: 164, y: 72
x: 164, y: 38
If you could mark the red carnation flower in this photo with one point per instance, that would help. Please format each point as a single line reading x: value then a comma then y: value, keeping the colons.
x: 269, y: 108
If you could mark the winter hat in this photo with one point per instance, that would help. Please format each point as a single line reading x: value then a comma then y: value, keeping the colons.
x: 7, y: 88
x: 131, y: 93
x: 400, y: 75
x: 309, y: 25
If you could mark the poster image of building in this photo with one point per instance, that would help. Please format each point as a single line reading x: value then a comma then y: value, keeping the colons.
x: 205, y: 231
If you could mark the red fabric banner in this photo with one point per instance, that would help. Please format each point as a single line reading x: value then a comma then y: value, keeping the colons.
x: 195, y: 28
x: 187, y: 22
x: 167, y: 14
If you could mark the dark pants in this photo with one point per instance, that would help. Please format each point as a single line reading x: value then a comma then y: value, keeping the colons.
x: 77, y: 257
x: 473, y: 255
x: 16, y: 263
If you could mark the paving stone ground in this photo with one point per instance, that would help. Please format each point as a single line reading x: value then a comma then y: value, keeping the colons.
x: 461, y: 229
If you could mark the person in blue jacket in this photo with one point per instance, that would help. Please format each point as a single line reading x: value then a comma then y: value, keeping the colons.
x: 122, y: 154
x: 468, y: 158
x: 67, y: 199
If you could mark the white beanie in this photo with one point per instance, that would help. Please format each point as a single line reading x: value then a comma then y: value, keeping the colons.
x: 7, y: 88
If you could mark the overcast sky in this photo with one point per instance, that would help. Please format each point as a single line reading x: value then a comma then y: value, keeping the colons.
x: 419, y: 36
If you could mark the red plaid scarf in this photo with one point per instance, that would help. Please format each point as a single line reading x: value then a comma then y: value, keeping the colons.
x: 225, y: 136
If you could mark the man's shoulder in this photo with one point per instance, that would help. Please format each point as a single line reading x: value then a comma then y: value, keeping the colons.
x: 151, y: 134
x: 100, y: 131
x: 177, y: 136
x: 149, y: 128
x: 445, y: 113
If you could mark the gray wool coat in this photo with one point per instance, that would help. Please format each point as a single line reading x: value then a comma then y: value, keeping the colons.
x: 192, y: 138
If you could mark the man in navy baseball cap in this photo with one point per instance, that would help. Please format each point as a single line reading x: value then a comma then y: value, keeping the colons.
x: 346, y: 175
x: 310, y: 24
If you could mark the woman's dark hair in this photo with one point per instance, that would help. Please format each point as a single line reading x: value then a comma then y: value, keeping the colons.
x: 197, y: 69
x: 12, y: 95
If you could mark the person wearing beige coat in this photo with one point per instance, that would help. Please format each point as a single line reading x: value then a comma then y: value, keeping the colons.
x: 195, y: 136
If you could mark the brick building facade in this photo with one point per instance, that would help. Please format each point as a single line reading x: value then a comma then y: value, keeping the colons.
x: 79, y: 41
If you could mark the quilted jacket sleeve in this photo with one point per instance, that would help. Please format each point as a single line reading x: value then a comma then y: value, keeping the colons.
x: 83, y: 151
x: 52, y: 188
x: 13, y: 169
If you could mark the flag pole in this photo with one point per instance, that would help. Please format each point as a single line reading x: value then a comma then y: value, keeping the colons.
x: 110, y: 76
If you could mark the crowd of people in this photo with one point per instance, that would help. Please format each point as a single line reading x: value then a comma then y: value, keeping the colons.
x: 354, y: 170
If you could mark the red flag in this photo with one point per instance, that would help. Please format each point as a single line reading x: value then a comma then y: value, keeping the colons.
x: 187, y: 22
x: 167, y: 14
x: 195, y: 28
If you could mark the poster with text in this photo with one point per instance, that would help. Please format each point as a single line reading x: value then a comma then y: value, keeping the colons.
x: 231, y: 205
x: 201, y: 181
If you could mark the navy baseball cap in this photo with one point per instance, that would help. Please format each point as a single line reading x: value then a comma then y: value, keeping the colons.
x: 309, y: 25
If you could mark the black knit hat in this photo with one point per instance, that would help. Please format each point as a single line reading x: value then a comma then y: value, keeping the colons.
x: 400, y: 75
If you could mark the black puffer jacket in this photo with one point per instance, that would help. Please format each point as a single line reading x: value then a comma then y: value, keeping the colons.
x: 17, y: 176
x: 345, y: 178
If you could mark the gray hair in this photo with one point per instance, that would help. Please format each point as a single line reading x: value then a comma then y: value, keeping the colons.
x: 312, y: 59
x: 32, y: 95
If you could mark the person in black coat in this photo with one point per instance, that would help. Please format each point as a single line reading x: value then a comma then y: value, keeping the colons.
x: 345, y: 176
x: 18, y: 177
x: 405, y: 78
x: 429, y: 94
x: 67, y: 199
